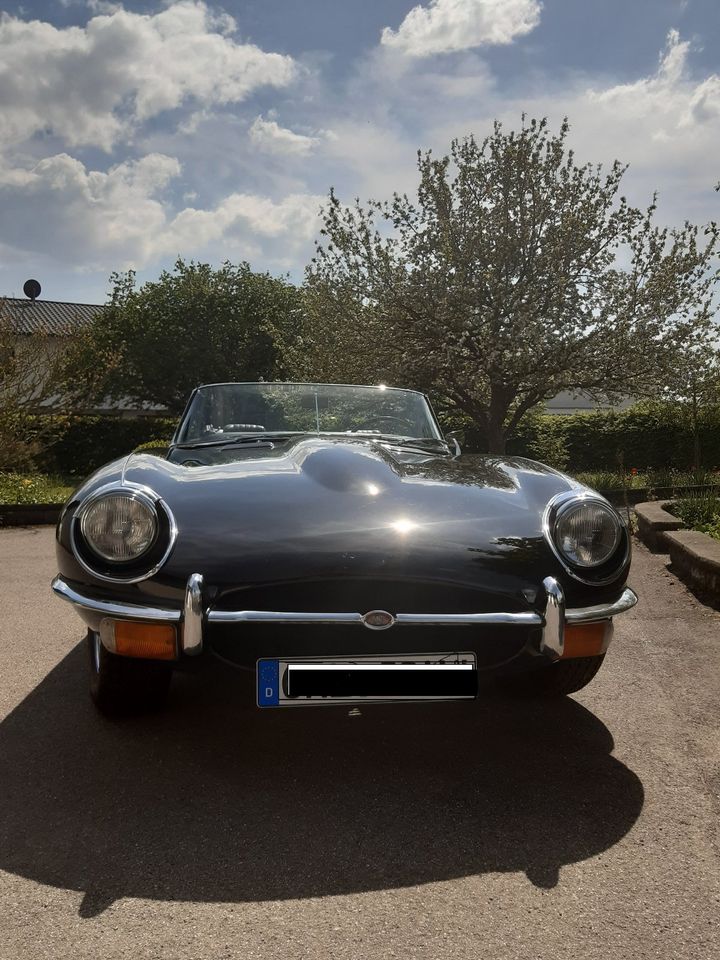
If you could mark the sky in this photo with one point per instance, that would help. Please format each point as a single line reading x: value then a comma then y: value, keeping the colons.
x: 133, y: 133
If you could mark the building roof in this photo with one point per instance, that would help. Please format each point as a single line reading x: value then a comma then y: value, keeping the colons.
x: 54, y: 317
x: 569, y: 401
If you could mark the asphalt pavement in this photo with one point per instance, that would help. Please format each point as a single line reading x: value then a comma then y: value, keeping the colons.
x: 586, y: 828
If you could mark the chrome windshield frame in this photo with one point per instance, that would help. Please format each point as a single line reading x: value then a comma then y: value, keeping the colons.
x: 179, y: 436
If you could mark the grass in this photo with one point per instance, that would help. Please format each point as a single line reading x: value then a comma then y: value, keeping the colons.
x: 33, y: 488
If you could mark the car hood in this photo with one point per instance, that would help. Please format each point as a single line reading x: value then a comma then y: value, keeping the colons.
x: 351, y: 477
x: 317, y: 507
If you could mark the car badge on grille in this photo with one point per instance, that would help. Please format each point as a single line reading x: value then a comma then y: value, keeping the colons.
x: 378, y: 620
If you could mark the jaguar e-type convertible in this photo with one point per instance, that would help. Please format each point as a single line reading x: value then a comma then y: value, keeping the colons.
x: 332, y: 540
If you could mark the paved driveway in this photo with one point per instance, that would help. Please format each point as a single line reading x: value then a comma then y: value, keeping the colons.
x: 583, y: 829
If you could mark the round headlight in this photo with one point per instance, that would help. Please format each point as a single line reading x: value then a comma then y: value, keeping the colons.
x: 119, y: 526
x: 587, y: 533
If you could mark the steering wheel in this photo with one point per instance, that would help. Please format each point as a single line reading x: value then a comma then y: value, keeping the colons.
x: 384, y: 419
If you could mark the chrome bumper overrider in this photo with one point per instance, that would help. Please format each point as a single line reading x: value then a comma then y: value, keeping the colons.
x: 194, y: 614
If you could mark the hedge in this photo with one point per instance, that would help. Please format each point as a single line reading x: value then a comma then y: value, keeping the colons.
x: 75, y: 446
x: 643, y: 437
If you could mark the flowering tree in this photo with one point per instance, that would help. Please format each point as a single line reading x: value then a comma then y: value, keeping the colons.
x: 694, y: 384
x: 515, y: 274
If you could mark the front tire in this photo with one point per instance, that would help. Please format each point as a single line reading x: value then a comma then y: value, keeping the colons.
x: 120, y: 686
x: 556, y: 679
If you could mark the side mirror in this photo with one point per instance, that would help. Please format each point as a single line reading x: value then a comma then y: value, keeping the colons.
x: 454, y: 437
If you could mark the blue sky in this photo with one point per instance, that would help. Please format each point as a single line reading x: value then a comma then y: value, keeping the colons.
x: 133, y: 133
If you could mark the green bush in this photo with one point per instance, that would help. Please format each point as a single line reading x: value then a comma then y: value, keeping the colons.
x: 33, y: 488
x: 648, y: 437
x: 611, y: 480
x: 17, y: 450
x: 700, y: 511
x: 713, y: 528
x: 75, y: 446
x: 662, y: 477
x: 546, y: 442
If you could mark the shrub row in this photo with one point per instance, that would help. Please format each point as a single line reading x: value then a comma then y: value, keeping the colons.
x: 75, y: 446
x: 657, y: 436
x: 644, y: 437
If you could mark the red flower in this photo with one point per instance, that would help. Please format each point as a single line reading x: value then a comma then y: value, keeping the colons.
x: 633, y: 471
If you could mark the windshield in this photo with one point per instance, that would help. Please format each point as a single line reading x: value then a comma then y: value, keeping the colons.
x: 230, y: 410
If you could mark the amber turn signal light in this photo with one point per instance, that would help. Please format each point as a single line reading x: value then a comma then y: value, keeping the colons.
x: 586, y: 639
x: 149, y: 641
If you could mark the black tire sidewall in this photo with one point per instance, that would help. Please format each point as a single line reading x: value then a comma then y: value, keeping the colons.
x: 125, y: 685
x: 556, y: 679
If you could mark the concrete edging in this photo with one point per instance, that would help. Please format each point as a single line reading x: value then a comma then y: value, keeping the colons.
x: 696, y: 558
x: 654, y: 522
x: 28, y: 514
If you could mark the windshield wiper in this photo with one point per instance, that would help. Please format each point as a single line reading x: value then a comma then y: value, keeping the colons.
x: 413, y: 441
x: 245, y: 438
x: 258, y: 438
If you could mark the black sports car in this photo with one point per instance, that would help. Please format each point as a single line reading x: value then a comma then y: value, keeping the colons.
x: 330, y: 539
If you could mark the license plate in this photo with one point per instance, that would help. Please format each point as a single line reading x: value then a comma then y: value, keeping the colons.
x: 366, y: 679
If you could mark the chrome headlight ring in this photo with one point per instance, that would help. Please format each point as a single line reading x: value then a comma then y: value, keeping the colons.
x: 119, y: 526
x: 157, y: 551
x: 563, y: 504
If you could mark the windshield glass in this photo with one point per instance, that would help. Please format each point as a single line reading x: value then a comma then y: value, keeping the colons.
x: 232, y: 410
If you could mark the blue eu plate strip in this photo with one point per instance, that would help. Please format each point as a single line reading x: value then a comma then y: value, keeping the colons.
x: 268, y: 683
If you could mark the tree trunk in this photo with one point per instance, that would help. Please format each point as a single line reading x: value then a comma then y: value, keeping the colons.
x: 495, y: 437
x: 497, y: 412
x: 696, y: 433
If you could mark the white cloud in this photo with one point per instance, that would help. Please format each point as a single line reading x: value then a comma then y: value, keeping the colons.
x: 92, y: 85
x: 270, y: 137
x: 294, y: 218
x: 705, y: 101
x: 85, y: 216
x: 98, y: 84
x: 393, y: 106
x: 668, y: 100
x: 447, y: 25
x: 120, y: 218
x: 665, y: 125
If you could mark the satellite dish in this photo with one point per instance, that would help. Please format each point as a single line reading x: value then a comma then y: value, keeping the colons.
x: 32, y: 289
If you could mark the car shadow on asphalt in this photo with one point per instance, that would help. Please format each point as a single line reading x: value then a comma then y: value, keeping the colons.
x: 217, y: 801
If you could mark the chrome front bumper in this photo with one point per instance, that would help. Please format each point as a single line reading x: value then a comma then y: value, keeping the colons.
x: 194, y: 615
